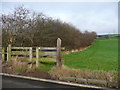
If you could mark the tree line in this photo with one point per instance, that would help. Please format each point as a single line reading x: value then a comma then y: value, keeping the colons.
x: 26, y: 28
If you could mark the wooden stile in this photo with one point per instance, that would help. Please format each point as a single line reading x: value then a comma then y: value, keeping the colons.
x: 38, y: 53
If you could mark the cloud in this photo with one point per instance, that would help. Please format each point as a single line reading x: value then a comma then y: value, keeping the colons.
x: 99, y: 17
x: 100, y: 21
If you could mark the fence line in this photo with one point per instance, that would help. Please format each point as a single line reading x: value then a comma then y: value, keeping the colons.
x: 38, y: 52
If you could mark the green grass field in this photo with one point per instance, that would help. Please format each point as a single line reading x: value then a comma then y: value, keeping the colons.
x: 46, y: 64
x: 102, y: 55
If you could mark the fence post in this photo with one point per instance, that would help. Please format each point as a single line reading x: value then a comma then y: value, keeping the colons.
x: 30, y: 55
x: 58, y: 58
x: 3, y: 54
x: 9, y: 52
x: 37, y: 56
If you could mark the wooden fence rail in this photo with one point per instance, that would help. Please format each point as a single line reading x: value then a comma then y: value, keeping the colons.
x: 37, y: 52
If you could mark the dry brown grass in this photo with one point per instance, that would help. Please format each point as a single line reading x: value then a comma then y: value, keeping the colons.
x: 0, y: 65
x: 111, y: 76
x: 64, y: 71
x: 18, y: 67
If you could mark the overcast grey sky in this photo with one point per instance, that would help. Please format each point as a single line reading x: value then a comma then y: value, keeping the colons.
x: 101, y: 17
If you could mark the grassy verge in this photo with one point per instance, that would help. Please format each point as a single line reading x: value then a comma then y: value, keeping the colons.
x: 65, y: 71
x: 95, y: 77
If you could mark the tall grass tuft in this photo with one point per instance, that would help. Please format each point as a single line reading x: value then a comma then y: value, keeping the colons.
x: 18, y: 67
x: 111, y: 76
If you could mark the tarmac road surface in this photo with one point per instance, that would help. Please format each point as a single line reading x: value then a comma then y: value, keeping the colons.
x: 10, y: 82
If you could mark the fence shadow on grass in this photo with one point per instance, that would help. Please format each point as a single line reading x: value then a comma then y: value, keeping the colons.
x: 48, y: 63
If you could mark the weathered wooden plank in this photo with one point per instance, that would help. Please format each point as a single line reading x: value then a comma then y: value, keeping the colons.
x: 50, y: 48
x: 49, y: 53
x: 19, y: 53
x: 20, y: 47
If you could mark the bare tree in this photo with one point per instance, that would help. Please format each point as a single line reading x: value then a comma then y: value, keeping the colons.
x: 25, y: 28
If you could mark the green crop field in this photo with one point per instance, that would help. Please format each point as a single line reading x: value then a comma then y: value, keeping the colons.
x: 102, y: 55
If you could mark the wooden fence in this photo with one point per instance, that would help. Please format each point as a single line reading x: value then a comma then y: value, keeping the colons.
x: 36, y: 52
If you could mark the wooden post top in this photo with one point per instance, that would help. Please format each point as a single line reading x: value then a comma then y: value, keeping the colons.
x: 59, y: 39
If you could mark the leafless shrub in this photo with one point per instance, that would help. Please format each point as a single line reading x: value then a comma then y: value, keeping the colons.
x: 25, y: 28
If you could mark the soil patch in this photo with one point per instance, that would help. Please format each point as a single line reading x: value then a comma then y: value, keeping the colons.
x: 37, y: 73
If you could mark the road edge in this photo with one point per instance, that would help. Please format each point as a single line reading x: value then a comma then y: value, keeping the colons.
x: 54, y: 81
